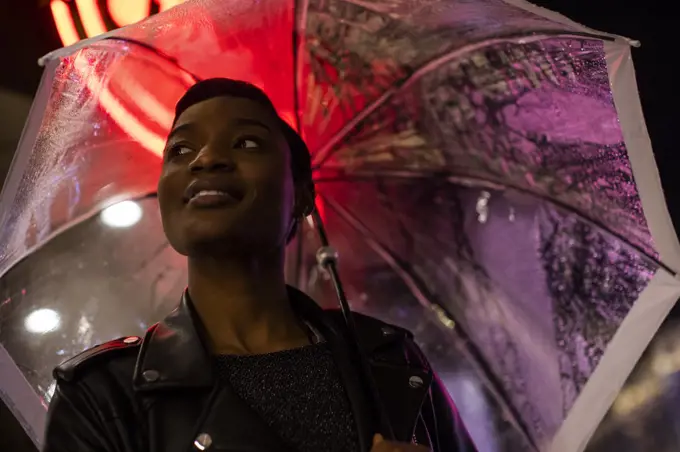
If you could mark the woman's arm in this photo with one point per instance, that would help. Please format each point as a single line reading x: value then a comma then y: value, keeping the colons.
x: 450, y: 433
x: 445, y: 428
x: 74, y: 423
x: 91, y: 408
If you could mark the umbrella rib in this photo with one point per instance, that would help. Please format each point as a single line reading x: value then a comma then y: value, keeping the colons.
x: 154, y: 50
x: 63, y: 228
x: 417, y: 288
x: 492, y: 185
x: 324, y: 152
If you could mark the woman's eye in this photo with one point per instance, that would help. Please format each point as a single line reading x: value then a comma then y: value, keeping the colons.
x: 180, y: 150
x: 246, y: 143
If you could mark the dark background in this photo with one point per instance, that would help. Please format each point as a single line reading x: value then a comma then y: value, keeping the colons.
x: 27, y: 32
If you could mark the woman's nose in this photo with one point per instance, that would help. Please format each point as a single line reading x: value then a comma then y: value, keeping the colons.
x: 210, y: 160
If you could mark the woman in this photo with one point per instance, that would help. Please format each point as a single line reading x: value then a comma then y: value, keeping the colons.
x: 245, y: 363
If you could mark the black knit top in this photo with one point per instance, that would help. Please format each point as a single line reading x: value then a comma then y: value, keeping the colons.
x: 299, y: 395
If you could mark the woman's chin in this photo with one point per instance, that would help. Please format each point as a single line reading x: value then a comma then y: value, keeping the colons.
x: 227, y: 243
x: 220, y: 234
x: 215, y: 240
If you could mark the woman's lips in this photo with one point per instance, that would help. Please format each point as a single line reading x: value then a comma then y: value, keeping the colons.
x: 212, y: 198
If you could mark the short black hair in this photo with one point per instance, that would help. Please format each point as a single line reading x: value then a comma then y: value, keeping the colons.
x: 301, y: 161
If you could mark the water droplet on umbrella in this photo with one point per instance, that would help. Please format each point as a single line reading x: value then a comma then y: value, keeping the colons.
x: 482, y: 207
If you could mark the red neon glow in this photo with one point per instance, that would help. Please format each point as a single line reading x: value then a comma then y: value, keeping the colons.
x: 90, y: 17
x: 125, y: 12
x: 167, y: 4
x: 131, y: 124
x: 321, y: 208
x: 65, y: 26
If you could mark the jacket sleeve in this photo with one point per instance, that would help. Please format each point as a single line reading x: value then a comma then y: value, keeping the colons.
x: 449, y: 432
x: 74, y: 423
x: 442, y: 422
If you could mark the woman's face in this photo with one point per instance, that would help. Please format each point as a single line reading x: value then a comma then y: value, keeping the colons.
x: 226, y: 184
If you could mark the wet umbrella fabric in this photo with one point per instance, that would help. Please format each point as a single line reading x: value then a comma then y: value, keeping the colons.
x: 472, y: 171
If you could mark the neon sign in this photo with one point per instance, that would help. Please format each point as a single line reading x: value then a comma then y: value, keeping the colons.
x: 80, y: 19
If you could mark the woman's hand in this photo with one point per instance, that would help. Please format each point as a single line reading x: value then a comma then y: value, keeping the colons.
x: 382, y: 445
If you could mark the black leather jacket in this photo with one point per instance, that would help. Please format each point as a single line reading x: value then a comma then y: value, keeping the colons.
x: 159, y: 394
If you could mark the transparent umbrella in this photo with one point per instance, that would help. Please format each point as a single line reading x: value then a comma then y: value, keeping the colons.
x: 482, y: 167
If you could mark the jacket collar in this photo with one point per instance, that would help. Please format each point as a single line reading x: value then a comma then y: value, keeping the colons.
x: 174, y: 353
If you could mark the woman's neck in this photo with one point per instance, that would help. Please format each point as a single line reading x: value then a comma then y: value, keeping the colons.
x: 243, y: 304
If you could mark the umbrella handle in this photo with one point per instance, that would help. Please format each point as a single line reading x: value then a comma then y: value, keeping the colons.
x: 327, y: 258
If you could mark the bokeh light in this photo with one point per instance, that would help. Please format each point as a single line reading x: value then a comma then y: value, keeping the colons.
x: 42, y: 321
x: 122, y: 215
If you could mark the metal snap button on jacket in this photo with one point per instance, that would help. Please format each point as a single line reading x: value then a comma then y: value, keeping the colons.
x: 415, y: 382
x: 202, y: 441
x: 151, y: 375
x: 386, y: 331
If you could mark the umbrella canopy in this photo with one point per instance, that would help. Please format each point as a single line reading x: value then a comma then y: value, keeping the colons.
x: 482, y: 166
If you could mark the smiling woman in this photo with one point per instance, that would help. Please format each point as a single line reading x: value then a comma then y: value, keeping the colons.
x: 387, y: 99
x: 236, y: 182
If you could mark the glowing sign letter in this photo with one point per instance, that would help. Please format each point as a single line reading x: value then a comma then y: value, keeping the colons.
x: 126, y: 12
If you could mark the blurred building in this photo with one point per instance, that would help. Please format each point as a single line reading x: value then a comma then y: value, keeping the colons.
x: 14, y: 109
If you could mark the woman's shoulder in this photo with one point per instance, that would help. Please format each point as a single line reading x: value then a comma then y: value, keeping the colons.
x: 378, y: 336
x: 116, y: 357
x: 370, y: 326
x: 94, y: 400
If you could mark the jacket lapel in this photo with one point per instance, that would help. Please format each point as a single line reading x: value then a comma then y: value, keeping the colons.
x: 188, y: 410
x: 402, y: 391
x: 233, y: 426
x: 217, y: 420
x: 350, y: 377
x: 402, y: 386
